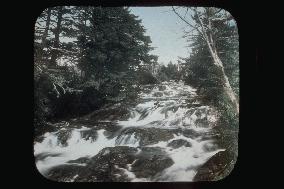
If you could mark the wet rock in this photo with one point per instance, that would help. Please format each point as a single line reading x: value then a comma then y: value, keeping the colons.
x: 190, y: 133
x: 106, y: 166
x: 150, y: 151
x: 111, y: 113
x: 179, y: 143
x: 65, y: 173
x: 217, y: 167
x: 158, y: 94
x: 151, y: 162
x: 144, y: 113
x: 103, y: 166
x: 162, y: 87
x: 148, y: 136
x: 90, y: 134
x: 63, y: 135
x: 113, y: 164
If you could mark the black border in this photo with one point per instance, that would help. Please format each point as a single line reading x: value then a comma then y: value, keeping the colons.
x: 245, y: 18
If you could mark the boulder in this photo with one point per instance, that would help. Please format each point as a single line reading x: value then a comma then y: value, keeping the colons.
x: 151, y: 162
x: 179, y: 143
x: 217, y: 167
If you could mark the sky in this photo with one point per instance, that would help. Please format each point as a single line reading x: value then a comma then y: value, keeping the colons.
x: 165, y: 30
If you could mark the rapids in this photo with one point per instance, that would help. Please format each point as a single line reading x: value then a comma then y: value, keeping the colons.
x: 167, y: 117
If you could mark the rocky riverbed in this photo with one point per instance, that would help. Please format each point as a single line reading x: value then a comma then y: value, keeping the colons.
x: 168, y: 136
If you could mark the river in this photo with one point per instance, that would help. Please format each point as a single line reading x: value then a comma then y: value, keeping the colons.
x: 165, y: 137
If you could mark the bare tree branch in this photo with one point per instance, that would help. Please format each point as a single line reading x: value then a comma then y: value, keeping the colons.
x: 185, y: 20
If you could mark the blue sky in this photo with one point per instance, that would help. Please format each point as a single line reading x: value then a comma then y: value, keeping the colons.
x: 165, y: 30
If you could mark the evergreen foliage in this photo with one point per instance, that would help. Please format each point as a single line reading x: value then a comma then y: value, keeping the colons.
x: 102, y: 63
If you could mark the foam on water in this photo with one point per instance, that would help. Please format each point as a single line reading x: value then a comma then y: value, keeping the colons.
x: 76, y: 147
x: 186, y: 159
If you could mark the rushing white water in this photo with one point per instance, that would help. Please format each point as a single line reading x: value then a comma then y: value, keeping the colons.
x: 164, y: 107
x: 76, y: 147
x: 186, y: 159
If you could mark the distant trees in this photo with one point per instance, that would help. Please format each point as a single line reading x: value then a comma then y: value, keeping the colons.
x: 213, y: 65
x: 169, y: 72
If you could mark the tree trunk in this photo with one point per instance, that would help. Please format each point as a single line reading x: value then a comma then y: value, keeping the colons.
x: 208, y: 37
x: 45, y: 34
x: 57, y: 32
x: 228, y: 89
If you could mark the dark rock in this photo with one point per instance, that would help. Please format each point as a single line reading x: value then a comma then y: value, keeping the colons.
x: 217, y: 167
x: 158, y: 94
x: 63, y: 136
x: 40, y: 130
x: 178, y: 143
x: 111, y: 113
x: 148, y: 136
x: 162, y: 87
x: 103, y: 166
x: 150, y: 151
x: 90, y: 134
x: 65, y: 173
x: 111, y: 165
x: 190, y: 133
x: 151, y: 162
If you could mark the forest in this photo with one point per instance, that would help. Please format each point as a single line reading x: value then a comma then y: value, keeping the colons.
x: 106, y: 110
